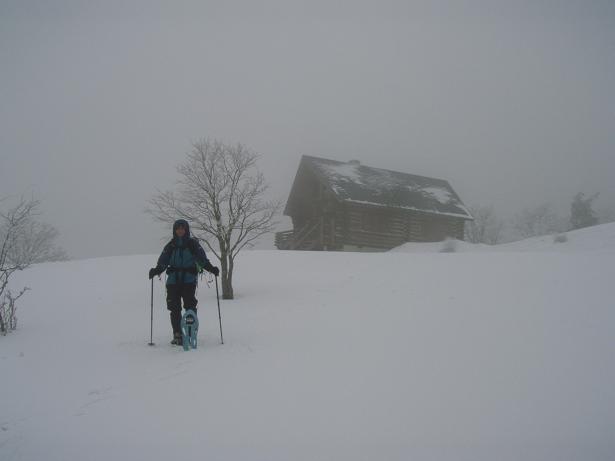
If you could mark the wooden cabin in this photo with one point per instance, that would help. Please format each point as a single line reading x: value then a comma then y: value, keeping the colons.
x: 346, y: 206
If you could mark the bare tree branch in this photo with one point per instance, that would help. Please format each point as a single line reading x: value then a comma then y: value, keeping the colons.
x: 537, y: 221
x: 486, y: 226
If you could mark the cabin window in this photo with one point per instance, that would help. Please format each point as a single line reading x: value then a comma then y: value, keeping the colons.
x: 375, y: 222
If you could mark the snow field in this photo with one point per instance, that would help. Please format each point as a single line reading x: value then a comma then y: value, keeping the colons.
x: 327, y: 356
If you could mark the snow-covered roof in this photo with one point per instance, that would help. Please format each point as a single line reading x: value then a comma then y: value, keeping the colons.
x: 356, y: 183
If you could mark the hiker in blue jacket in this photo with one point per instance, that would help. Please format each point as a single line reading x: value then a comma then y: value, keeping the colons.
x: 183, y: 258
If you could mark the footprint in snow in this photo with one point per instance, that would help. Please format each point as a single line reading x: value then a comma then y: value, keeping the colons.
x: 100, y: 396
x: 100, y: 391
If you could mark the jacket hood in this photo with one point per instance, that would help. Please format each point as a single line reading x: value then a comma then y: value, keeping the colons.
x: 184, y: 223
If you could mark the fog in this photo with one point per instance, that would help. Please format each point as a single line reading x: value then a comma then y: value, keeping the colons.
x: 513, y: 102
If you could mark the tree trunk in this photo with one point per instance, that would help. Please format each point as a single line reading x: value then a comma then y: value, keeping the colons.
x: 227, y: 288
x: 229, y: 278
x: 12, y: 316
x: 226, y: 272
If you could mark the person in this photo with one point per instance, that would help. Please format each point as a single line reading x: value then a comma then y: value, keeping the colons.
x: 183, y: 258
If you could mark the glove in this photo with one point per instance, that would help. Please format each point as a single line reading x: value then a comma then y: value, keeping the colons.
x: 154, y: 271
x: 213, y: 269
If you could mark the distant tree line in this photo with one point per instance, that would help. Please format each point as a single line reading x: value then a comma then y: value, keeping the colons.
x: 489, y: 228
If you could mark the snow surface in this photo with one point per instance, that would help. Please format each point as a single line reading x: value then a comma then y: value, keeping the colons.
x: 327, y: 356
x: 440, y: 194
x: 413, y: 208
x: 348, y: 172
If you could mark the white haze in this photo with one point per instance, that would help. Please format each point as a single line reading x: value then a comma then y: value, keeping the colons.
x: 512, y: 102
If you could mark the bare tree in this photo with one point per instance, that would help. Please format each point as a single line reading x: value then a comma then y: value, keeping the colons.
x: 486, y: 226
x: 538, y: 221
x: 23, y: 242
x: 221, y: 193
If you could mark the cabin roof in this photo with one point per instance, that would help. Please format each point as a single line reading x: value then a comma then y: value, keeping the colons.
x: 356, y: 183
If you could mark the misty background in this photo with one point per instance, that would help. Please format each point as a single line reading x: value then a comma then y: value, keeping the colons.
x: 512, y: 102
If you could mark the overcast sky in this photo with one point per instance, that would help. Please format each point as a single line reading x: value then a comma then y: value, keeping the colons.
x: 512, y: 102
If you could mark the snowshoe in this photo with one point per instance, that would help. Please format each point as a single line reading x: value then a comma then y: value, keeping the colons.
x: 190, y: 328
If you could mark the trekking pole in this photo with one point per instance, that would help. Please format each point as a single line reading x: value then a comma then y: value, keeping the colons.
x: 151, y: 327
x: 219, y: 315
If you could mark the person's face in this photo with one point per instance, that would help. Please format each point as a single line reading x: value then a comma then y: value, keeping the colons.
x: 180, y: 231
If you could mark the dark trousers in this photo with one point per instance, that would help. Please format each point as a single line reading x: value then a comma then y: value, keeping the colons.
x: 175, y: 294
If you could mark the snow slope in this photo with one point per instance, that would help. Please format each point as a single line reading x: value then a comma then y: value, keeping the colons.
x: 596, y: 238
x: 327, y: 356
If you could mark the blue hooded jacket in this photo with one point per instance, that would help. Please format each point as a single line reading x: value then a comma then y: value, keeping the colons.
x: 180, y: 257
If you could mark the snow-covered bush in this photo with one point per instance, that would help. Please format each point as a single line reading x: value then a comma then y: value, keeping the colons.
x: 560, y: 238
x: 449, y: 246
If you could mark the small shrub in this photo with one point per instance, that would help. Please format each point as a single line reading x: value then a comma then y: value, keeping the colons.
x: 8, y: 311
x: 449, y: 246
x: 560, y: 238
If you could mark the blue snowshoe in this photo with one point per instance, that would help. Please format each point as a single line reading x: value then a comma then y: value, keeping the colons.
x: 190, y: 328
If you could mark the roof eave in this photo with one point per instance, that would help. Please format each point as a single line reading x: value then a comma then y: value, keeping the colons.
x: 409, y: 209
